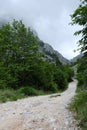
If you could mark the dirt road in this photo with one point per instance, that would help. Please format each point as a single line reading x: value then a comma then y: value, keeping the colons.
x: 39, y: 113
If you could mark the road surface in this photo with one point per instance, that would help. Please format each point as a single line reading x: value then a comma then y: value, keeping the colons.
x: 39, y: 113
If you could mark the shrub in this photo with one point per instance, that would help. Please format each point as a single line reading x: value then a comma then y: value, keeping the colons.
x: 60, y: 79
x: 80, y: 79
x: 85, y: 78
x: 29, y: 91
x: 53, y: 87
x: 79, y: 105
x: 10, y: 95
x: 68, y: 71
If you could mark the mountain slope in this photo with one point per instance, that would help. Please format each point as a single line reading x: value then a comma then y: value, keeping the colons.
x: 75, y: 59
x: 51, y: 54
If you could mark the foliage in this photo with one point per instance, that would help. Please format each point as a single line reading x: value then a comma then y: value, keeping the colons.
x: 82, y: 72
x: 85, y: 78
x: 22, y: 66
x: 60, y: 79
x: 80, y: 102
x: 29, y: 91
x: 18, y: 49
x: 80, y: 17
x: 10, y: 95
x: 79, y: 105
x: 69, y: 72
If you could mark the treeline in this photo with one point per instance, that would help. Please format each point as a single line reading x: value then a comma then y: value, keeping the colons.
x: 23, y: 68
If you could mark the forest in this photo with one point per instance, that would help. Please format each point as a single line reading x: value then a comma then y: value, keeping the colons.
x: 23, y: 69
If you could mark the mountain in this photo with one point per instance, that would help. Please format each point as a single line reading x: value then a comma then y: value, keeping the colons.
x: 51, y: 54
x: 75, y: 59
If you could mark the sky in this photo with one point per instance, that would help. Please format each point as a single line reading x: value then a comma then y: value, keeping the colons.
x: 49, y: 18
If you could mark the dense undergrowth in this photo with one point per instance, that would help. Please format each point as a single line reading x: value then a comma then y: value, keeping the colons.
x: 79, y: 104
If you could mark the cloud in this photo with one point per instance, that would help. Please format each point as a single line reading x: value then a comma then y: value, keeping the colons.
x: 50, y: 19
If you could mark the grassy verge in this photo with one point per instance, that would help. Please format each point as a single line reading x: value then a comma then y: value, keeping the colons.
x: 79, y: 106
x: 13, y: 95
x: 10, y: 95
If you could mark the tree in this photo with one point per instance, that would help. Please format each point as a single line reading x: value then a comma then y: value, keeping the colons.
x: 21, y: 64
x: 18, y: 51
x: 80, y: 17
x: 79, y: 105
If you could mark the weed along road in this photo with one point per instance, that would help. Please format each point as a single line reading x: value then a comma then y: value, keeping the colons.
x: 39, y: 113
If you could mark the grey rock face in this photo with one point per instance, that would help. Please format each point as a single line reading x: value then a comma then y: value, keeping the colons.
x: 61, y: 58
x: 75, y: 59
x: 51, y: 54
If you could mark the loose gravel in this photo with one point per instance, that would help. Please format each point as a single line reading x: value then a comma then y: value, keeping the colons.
x: 40, y: 113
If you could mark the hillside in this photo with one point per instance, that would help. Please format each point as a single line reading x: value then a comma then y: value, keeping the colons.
x: 51, y: 54
x: 75, y: 59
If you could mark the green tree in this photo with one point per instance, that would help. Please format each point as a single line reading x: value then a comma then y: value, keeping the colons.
x: 21, y: 64
x: 80, y: 17
x: 18, y: 51
x: 79, y: 105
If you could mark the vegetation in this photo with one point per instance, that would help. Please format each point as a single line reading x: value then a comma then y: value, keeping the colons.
x: 23, y: 72
x: 80, y: 17
x: 79, y: 105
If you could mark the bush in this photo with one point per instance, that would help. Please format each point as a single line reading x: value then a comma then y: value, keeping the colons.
x: 60, y: 79
x: 10, y: 95
x: 53, y: 87
x: 68, y: 71
x: 85, y: 78
x: 79, y: 105
x: 29, y: 91
x: 80, y: 79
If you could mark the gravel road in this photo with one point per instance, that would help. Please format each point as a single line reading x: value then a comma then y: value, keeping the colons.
x: 39, y: 113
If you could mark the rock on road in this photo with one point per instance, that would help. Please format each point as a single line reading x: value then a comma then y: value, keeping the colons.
x: 39, y: 113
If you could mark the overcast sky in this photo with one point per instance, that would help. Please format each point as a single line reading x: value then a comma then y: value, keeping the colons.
x: 50, y: 19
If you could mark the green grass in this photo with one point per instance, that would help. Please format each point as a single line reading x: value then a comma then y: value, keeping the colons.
x: 30, y: 91
x: 10, y: 95
x: 79, y: 106
x: 13, y: 95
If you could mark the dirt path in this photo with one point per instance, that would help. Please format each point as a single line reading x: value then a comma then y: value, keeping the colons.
x: 39, y: 113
